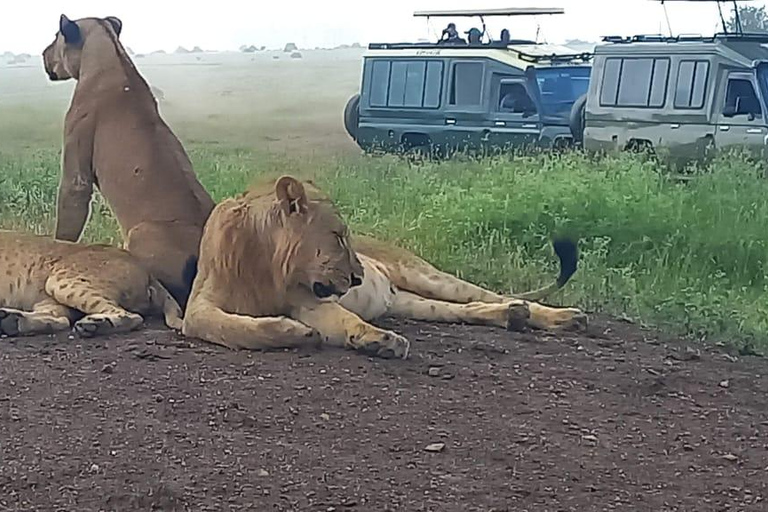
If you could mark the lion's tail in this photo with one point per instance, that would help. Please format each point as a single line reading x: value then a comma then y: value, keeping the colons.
x: 162, y: 301
x: 568, y: 254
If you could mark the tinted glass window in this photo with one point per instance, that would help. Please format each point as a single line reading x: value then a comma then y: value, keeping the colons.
x: 397, y: 84
x: 467, y: 84
x: 433, y: 85
x: 406, y: 83
x: 610, y: 87
x: 379, y: 83
x: 659, y: 83
x: 560, y: 87
x: 414, y: 83
x: 741, y: 98
x: 691, y: 87
x: 635, y: 83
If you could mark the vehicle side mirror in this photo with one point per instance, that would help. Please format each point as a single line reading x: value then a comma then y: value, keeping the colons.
x: 529, y: 113
x: 730, y: 111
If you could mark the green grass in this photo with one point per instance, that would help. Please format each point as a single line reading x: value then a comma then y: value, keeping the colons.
x: 686, y: 257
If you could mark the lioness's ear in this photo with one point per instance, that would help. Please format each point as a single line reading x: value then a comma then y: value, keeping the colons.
x: 117, y: 25
x: 69, y: 30
x: 291, y: 192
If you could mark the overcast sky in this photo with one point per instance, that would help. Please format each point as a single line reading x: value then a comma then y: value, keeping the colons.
x: 28, y: 26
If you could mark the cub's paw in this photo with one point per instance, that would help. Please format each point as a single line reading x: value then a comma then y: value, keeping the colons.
x: 98, y: 325
x: 385, y: 344
x: 9, y: 321
x: 518, y: 314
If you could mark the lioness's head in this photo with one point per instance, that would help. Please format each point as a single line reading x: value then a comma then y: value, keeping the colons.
x: 316, y: 240
x: 62, y: 57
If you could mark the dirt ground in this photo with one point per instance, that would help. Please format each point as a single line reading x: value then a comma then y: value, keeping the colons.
x: 477, y: 420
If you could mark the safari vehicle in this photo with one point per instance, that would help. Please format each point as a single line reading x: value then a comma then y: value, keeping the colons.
x: 680, y: 97
x: 455, y: 94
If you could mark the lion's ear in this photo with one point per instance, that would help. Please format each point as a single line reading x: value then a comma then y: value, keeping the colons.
x: 117, y: 25
x: 290, y: 192
x: 69, y: 30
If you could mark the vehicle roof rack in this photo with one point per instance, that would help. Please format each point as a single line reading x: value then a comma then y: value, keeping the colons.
x: 728, y: 36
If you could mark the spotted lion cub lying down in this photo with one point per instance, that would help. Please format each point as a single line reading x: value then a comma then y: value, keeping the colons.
x: 46, y: 284
x: 277, y: 269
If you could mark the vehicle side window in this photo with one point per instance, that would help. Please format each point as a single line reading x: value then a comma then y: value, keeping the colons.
x: 514, y: 98
x: 741, y: 99
x: 635, y: 82
x: 380, y: 83
x: 691, y: 89
x: 406, y: 83
x: 467, y: 84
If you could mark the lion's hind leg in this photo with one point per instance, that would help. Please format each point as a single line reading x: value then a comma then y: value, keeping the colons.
x: 549, y: 318
x: 46, y: 317
x: 99, y: 303
x: 208, y: 322
x: 511, y: 315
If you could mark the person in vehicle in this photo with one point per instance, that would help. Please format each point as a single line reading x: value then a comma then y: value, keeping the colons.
x: 505, y: 38
x: 450, y: 34
x: 474, y: 36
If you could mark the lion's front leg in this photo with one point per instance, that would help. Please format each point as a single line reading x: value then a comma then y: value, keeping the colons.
x: 206, y: 321
x: 343, y: 328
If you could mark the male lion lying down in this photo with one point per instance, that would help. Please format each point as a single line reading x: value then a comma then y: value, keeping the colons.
x: 277, y: 270
x: 45, y: 283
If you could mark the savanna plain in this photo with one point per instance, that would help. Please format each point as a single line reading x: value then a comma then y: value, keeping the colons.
x: 661, y: 405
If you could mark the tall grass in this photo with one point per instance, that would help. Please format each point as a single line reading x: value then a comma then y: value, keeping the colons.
x: 688, y: 257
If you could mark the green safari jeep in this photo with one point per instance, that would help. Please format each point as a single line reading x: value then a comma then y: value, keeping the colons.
x: 477, y: 94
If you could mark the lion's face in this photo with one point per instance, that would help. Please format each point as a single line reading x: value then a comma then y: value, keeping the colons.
x: 317, y: 240
x: 61, y: 58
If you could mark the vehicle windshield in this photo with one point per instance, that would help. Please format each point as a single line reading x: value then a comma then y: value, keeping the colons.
x: 561, y: 87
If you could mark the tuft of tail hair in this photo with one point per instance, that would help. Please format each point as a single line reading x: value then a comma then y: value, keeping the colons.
x: 568, y: 255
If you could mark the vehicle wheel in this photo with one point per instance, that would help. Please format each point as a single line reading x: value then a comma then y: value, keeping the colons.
x: 352, y: 116
x: 576, y: 121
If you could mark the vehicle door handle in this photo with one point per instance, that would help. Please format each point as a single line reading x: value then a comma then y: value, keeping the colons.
x: 674, y: 126
x: 450, y: 121
x: 724, y: 128
x: 500, y: 123
x: 754, y: 130
x: 530, y: 126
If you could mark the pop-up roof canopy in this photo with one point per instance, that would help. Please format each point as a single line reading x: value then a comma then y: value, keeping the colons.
x: 509, y: 11
x: 484, y: 13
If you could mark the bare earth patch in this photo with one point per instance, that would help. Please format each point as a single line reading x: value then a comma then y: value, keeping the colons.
x: 477, y: 420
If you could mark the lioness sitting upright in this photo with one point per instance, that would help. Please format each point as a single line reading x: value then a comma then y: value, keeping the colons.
x: 278, y: 269
x: 115, y: 139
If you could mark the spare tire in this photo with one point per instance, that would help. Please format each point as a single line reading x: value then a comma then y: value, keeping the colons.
x: 352, y: 116
x: 576, y: 121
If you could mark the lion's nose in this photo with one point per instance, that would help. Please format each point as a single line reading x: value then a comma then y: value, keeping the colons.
x: 356, y: 281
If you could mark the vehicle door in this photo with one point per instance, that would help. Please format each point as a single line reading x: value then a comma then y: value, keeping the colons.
x: 742, y: 119
x: 514, y: 115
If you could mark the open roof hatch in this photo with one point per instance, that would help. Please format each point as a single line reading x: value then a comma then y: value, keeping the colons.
x: 484, y: 13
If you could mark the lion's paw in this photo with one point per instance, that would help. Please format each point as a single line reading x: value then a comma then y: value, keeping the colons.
x: 385, y: 344
x: 9, y: 321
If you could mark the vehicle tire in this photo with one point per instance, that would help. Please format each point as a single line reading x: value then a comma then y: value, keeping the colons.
x: 576, y: 121
x: 352, y: 116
